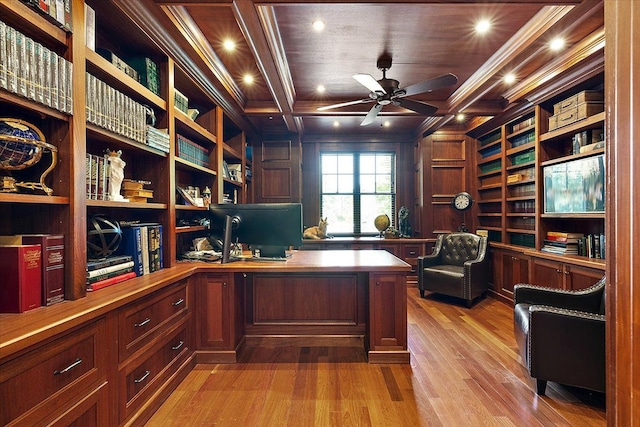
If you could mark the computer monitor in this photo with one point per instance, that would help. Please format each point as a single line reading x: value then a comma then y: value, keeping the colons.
x: 270, y: 227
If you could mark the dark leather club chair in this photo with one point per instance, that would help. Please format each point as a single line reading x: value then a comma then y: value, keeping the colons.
x: 560, y: 335
x: 458, y: 267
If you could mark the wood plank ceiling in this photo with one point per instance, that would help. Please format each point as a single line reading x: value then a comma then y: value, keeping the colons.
x: 275, y: 43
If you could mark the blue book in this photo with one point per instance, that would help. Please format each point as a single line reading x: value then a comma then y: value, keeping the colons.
x: 132, y: 245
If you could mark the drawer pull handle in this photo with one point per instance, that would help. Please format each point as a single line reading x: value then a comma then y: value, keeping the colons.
x: 412, y: 252
x: 177, y: 303
x: 178, y: 346
x: 142, y: 378
x: 564, y: 119
x: 143, y: 323
x: 68, y: 368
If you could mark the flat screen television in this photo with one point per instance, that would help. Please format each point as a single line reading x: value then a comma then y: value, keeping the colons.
x: 576, y: 186
x: 270, y: 228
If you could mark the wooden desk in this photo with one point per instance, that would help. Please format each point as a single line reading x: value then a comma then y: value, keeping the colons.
x: 314, y: 298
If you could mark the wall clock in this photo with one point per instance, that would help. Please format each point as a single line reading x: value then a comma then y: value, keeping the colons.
x: 462, y: 201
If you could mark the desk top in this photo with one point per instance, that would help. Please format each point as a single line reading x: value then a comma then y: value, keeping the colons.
x: 320, y: 261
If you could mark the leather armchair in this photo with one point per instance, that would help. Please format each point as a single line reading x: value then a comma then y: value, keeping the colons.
x: 561, y: 335
x: 458, y: 267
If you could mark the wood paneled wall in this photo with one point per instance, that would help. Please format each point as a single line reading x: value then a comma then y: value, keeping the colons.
x: 622, y: 73
x: 445, y: 172
x: 277, y: 171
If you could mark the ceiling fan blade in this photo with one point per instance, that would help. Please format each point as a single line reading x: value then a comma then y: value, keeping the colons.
x: 344, y: 104
x: 431, y: 84
x: 417, y: 106
x: 369, y: 82
x: 371, y: 115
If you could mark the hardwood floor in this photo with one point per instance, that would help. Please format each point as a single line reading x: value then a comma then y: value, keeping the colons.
x: 464, y: 371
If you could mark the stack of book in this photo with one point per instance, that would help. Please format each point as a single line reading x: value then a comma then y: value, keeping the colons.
x: 560, y: 242
x: 109, y: 271
x: 134, y: 190
x: 158, y: 138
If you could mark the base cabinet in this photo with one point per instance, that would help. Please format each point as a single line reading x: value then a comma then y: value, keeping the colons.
x: 219, y: 310
x: 510, y: 266
x: 563, y: 275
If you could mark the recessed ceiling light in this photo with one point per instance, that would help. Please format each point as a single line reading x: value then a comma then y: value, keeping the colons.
x: 510, y: 78
x: 318, y: 25
x: 336, y: 124
x: 320, y: 89
x: 229, y: 45
x: 556, y: 44
x: 460, y: 117
x: 248, y: 79
x: 387, y: 124
x: 483, y: 26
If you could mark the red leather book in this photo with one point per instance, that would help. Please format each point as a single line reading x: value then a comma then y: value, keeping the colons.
x: 110, y: 281
x: 21, y: 278
x: 52, y: 265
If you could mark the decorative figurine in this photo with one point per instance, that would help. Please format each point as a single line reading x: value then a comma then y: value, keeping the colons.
x: 206, y: 196
x: 116, y: 174
x: 403, y: 222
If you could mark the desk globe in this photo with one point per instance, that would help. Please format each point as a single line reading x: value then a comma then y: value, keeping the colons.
x: 21, y: 146
x: 382, y: 222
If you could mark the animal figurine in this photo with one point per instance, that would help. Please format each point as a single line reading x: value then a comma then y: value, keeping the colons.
x: 317, y: 232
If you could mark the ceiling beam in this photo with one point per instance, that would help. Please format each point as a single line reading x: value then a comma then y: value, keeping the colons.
x: 272, y: 69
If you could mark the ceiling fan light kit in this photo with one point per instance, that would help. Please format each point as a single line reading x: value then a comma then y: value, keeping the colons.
x: 387, y: 91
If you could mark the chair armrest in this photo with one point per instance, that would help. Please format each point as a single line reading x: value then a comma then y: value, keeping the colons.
x: 565, y: 342
x: 428, y: 260
x: 558, y: 298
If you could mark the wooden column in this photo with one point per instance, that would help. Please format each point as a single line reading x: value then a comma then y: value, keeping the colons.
x: 622, y: 74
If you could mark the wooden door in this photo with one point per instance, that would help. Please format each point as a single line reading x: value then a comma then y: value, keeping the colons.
x: 515, y: 269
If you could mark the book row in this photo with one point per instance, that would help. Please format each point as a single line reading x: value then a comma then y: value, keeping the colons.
x: 33, y: 271
x: 110, y: 109
x: 188, y: 150
x: 29, y: 69
x: 97, y: 177
x: 59, y: 11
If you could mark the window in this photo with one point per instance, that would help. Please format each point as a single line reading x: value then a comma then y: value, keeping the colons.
x: 355, y: 189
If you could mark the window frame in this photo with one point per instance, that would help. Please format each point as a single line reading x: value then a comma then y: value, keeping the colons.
x: 357, y: 193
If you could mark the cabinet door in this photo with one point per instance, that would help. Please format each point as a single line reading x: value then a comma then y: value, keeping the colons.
x: 578, y: 277
x: 213, y: 328
x: 547, y: 273
x: 388, y: 312
x: 515, y: 269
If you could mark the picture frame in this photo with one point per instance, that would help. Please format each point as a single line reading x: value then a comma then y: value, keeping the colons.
x: 576, y: 186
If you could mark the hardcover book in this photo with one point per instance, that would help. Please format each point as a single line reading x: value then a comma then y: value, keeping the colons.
x: 52, y: 246
x: 22, y: 276
x: 110, y: 281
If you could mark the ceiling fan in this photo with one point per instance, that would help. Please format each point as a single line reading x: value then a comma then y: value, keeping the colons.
x: 386, y: 91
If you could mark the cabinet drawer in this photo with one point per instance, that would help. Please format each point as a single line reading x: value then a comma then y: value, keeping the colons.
x: 50, y: 376
x: 140, y: 322
x: 142, y: 378
x: 412, y: 251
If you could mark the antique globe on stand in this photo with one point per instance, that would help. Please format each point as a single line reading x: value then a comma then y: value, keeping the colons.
x: 21, y: 146
x: 382, y: 222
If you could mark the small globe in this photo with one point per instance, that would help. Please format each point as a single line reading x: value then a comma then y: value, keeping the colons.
x: 382, y: 222
x: 103, y: 237
x: 21, y: 144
